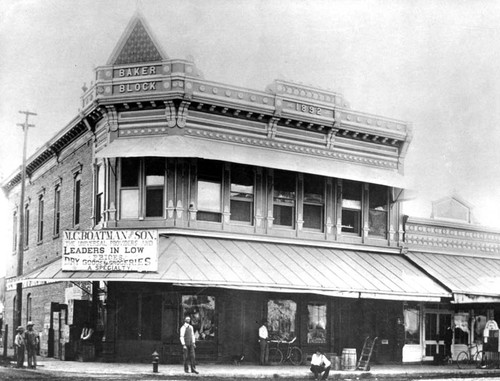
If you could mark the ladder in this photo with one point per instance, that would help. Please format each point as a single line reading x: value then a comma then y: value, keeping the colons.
x: 366, y: 354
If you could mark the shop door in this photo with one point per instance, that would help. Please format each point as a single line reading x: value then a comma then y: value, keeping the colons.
x: 435, y: 324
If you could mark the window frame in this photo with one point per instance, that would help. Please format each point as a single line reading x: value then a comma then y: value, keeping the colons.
x: 41, y: 202
x: 208, y: 178
x: 147, y: 187
x: 294, y: 321
x: 57, y: 211
x: 77, y: 198
x: 310, y: 330
x: 359, y: 211
x: 26, y: 225
x: 284, y: 198
x: 249, y: 200
x: 29, y: 307
x: 141, y: 188
x: 386, y: 211
x: 99, y: 193
x: 15, y: 231
x: 321, y: 204
x: 211, y: 336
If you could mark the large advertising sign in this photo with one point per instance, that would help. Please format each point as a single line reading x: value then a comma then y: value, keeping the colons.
x: 110, y: 250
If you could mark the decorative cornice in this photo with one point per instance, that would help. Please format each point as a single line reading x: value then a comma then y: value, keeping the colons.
x: 292, y: 148
x: 447, y: 237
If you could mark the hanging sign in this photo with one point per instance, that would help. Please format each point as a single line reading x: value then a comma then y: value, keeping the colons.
x: 110, y: 250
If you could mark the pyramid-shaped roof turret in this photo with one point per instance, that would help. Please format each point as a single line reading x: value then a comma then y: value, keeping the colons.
x: 137, y: 44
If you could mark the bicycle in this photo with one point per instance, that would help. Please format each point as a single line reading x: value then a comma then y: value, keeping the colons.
x: 467, y: 359
x: 292, y: 353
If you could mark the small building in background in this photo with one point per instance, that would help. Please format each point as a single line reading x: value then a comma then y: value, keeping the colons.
x: 463, y: 257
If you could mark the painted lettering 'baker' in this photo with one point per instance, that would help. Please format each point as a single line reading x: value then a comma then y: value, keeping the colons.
x: 136, y: 87
x: 137, y: 71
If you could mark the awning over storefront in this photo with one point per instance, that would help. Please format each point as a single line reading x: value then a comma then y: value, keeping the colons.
x: 471, y: 279
x: 271, y: 267
x: 264, y: 156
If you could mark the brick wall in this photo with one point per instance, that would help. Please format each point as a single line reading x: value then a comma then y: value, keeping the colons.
x: 74, y: 159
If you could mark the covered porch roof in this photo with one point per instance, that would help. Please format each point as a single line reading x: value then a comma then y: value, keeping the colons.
x: 270, y: 267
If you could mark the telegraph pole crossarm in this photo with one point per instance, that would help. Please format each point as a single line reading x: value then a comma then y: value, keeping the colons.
x: 20, y: 243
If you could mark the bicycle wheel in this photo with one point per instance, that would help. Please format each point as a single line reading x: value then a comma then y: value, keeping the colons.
x: 463, y: 360
x: 479, y: 359
x: 296, y: 356
x: 275, y: 356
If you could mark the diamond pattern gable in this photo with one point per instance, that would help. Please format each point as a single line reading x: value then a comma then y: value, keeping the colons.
x: 136, y: 45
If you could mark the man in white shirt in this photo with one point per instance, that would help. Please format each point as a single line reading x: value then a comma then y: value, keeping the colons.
x: 188, y: 345
x: 320, y: 364
x: 264, y: 347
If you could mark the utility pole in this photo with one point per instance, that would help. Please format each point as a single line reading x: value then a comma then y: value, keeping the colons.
x: 20, y: 243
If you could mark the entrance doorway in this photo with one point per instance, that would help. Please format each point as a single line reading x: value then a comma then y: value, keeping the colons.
x: 435, y: 324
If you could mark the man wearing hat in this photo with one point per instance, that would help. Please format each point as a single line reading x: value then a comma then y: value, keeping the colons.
x: 19, y: 344
x: 188, y: 345
x: 32, y: 342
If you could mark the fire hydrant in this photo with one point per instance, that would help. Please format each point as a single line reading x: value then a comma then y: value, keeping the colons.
x: 156, y: 360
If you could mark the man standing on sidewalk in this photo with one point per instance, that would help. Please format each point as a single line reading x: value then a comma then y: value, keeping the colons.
x: 188, y: 345
x: 20, y: 346
x: 32, y: 341
x: 264, y: 346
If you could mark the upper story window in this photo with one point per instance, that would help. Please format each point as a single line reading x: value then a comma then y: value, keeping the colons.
x: 99, y: 197
x: 284, y: 198
x: 77, y: 199
x: 142, y: 183
x: 129, y: 190
x: 242, y: 193
x: 154, y: 168
x: 378, y: 210
x: 57, y: 209
x: 351, y: 206
x: 314, y: 202
x: 26, y: 225
x: 29, y: 308
x: 40, y: 218
x: 209, y: 191
x: 14, y: 231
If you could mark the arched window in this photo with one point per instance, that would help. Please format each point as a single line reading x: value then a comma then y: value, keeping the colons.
x: 40, y: 218
x: 57, y: 210
x: 28, y: 308
x: 76, y: 200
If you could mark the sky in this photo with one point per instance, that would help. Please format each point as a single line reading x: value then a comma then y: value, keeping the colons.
x: 433, y: 64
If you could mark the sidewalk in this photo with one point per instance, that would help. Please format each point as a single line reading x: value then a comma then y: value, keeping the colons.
x: 249, y: 371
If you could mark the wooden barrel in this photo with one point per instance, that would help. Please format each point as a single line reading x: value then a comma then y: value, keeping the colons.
x: 349, y: 359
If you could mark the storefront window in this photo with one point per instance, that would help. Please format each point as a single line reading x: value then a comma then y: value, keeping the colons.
x: 412, y: 325
x: 461, y: 323
x: 316, y: 327
x: 281, y: 318
x: 201, y: 309
x: 139, y: 317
